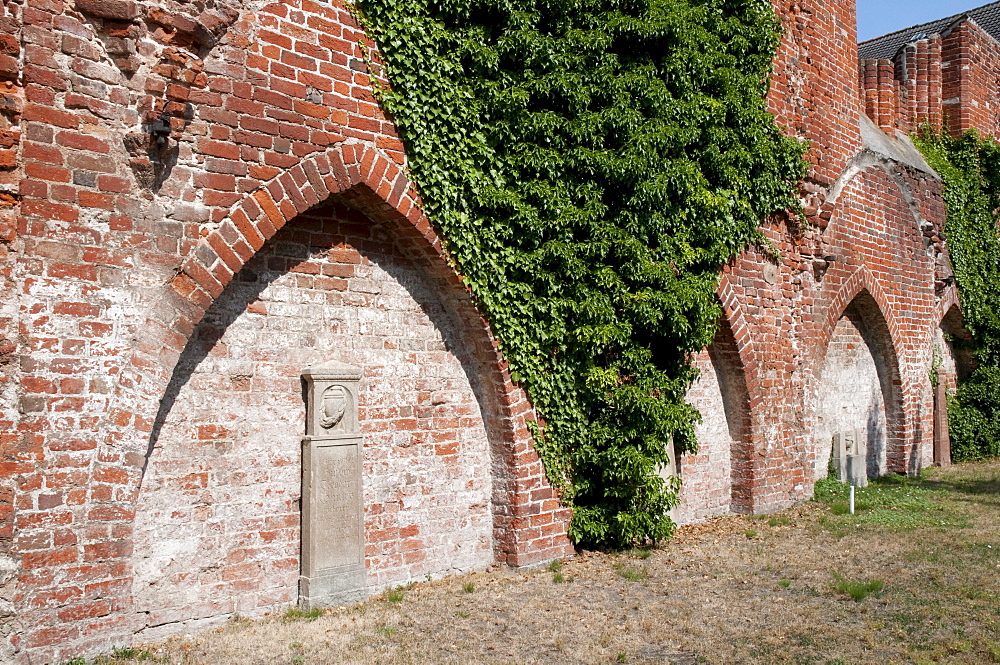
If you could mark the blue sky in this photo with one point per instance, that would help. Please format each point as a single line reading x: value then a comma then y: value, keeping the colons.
x: 877, y: 17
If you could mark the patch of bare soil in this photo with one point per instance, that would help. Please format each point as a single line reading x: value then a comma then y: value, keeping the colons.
x: 923, y: 559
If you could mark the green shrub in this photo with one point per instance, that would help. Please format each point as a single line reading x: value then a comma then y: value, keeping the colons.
x: 970, y: 168
x: 590, y: 166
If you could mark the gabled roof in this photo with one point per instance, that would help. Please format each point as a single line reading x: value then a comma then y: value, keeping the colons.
x: 887, y: 46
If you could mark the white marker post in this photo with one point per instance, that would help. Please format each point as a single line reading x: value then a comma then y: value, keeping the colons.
x: 852, y: 499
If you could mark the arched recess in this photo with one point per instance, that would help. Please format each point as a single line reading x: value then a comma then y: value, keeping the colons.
x: 184, y: 330
x: 953, y: 350
x: 866, y: 161
x: 858, y: 386
x: 952, y: 362
x: 718, y: 478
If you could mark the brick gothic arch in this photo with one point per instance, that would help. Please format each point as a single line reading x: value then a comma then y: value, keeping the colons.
x: 856, y: 321
x: 745, y: 390
x: 733, y: 347
x: 725, y: 356
x: 718, y: 478
x: 529, y: 523
x: 955, y: 341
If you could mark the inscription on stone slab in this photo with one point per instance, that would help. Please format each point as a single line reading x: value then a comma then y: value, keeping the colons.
x: 337, y: 489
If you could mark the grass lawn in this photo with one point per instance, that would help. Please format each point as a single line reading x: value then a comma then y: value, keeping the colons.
x: 912, y: 577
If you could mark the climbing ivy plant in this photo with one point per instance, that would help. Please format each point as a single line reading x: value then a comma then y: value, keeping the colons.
x: 970, y: 168
x: 591, y: 165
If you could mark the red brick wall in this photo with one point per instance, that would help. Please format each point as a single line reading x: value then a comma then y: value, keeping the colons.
x: 11, y: 459
x: 126, y: 243
x: 879, y: 223
x: 970, y: 67
x: 128, y: 248
x: 945, y: 80
x: 814, y: 90
x: 882, y: 94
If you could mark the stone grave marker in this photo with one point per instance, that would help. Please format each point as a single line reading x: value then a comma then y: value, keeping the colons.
x: 333, y: 544
x: 850, y: 457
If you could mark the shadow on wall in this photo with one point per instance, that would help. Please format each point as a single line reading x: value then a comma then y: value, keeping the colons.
x: 252, y: 283
x: 206, y: 335
x: 717, y: 477
x: 958, y: 344
x: 876, y: 436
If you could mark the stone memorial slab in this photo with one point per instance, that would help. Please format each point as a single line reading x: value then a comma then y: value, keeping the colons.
x: 333, y: 544
x: 850, y: 457
x: 838, y: 456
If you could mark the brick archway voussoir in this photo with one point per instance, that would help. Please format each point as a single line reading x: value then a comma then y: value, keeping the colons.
x: 948, y: 300
x: 252, y: 222
x: 860, y: 280
x: 742, y: 335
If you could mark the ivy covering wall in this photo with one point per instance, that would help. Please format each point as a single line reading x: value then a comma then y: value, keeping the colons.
x: 970, y: 168
x: 591, y: 165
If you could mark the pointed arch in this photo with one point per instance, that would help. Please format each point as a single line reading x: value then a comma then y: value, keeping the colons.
x: 957, y: 340
x: 867, y: 160
x: 373, y: 184
x: 718, y: 478
x: 731, y: 378
x: 858, y: 381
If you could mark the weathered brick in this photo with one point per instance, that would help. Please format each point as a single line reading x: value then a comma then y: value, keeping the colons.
x: 264, y: 135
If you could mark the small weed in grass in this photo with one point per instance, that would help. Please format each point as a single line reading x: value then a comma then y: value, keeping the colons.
x: 388, y: 631
x: 750, y: 533
x: 119, y: 654
x: 858, y: 591
x: 632, y: 574
x: 298, y: 658
x: 294, y: 614
x: 76, y: 661
x: 622, y: 657
x: 640, y: 552
x: 557, y: 578
x: 468, y: 587
x: 463, y: 614
x: 125, y: 652
x: 395, y: 595
x: 994, y: 651
x: 840, y: 508
x: 779, y: 521
x: 784, y: 584
x: 555, y: 566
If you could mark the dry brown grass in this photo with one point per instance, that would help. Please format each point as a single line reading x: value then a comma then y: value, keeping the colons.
x: 735, y: 590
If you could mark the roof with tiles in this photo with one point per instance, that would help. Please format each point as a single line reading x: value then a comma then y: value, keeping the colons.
x: 987, y: 17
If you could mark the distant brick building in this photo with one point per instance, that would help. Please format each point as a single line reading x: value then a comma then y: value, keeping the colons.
x: 945, y: 73
x: 197, y: 205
